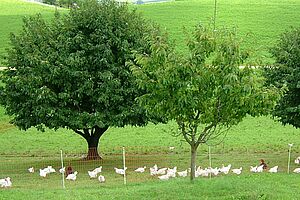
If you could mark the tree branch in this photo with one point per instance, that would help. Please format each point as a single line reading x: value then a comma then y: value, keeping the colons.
x: 80, y: 133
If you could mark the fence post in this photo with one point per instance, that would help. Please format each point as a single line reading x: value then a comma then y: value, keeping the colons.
x: 62, y: 166
x: 124, y: 165
x: 209, y: 158
x: 289, y: 159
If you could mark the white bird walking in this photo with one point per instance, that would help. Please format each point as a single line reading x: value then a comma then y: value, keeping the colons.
x: 101, y: 179
x: 120, y: 171
x: 140, y: 169
x: 237, y: 171
x: 72, y: 176
x: 273, y: 169
x: 31, y: 170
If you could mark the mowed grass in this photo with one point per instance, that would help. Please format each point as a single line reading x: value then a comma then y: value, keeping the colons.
x: 254, y: 186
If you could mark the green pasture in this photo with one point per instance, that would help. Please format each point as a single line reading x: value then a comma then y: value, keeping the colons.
x: 244, y: 145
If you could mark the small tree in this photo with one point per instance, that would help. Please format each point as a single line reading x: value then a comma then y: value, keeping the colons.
x: 286, y: 71
x: 71, y: 73
x: 205, y: 92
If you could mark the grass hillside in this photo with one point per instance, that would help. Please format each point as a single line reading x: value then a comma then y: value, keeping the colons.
x: 11, y: 15
x: 261, y: 21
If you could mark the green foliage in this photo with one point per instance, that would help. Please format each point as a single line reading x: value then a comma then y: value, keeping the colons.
x: 207, y: 87
x: 205, y: 91
x: 71, y: 73
x: 286, y: 71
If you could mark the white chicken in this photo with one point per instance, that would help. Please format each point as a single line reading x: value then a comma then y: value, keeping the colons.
x: 253, y: 169
x: 237, y: 171
x: 120, y: 171
x: 101, y: 179
x: 5, y: 182
x: 72, y: 176
x: 92, y: 174
x: 225, y: 170
x: 183, y: 173
x: 297, y: 170
x: 153, y: 170
x: 62, y: 170
x: 98, y: 170
x: 164, y: 177
x: 140, y: 169
x: 297, y: 160
x: 31, y: 170
x: 273, y: 169
x: 43, y: 173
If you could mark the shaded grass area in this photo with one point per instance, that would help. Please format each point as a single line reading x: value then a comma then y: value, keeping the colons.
x: 254, y: 186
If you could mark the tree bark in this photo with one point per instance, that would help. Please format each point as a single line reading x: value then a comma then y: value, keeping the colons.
x: 193, y: 161
x: 92, y: 136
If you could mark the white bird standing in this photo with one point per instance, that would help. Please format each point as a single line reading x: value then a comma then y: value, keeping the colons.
x: 62, y: 170
x: 237, y: 171
x: 153, y: 170
x: 273, y: 169
x: 224, y: 169
x: 31, y: 170
x: 72, y: 176
x: 101, y: 179
x: 253, y: 169
x: 98, y: 170
x: 43, y: 173
x: 92, y: 174
x: 140, y: 169
x: 120, y: 171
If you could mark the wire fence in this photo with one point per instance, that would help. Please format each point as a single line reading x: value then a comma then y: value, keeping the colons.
x: 17, y: 166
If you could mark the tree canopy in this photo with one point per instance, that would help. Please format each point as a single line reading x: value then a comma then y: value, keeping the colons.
x: 72, y: 73
x: 286, y: 72
x: 205, y: 91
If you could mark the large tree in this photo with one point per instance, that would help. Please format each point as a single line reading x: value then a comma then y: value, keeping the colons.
x: 205, y: 92
x: 286, y: 72
x: 71, y: 72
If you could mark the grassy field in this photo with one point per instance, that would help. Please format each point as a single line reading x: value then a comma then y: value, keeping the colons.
x: 11, y: 15
x: 245, y: 144
x: 260, y: 21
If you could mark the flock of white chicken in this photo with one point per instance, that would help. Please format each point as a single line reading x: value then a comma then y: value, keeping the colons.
x: 161, y: 173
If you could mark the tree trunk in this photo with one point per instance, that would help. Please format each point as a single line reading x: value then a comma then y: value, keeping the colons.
x: 92, y: 137
x: 193, y: 161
